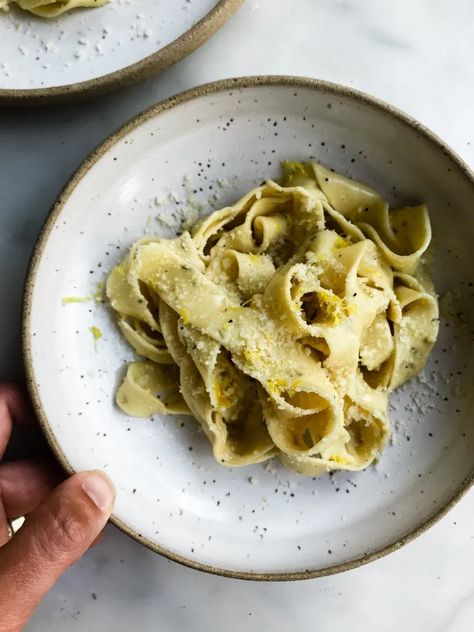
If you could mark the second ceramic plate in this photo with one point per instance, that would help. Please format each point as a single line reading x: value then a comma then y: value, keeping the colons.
x: 89, y: 51
x: 206, y: 148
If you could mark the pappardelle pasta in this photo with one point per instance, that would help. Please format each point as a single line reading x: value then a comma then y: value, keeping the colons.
x: 281, y: 323
x: 50, y: 8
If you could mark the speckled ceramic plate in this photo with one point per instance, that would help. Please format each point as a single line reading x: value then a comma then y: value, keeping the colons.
x: 211, y: 145
x: 89, y: 51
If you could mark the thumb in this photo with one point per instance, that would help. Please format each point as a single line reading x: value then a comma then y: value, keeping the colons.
x: 53, y: 537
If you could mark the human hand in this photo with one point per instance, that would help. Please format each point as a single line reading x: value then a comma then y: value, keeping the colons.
x: 61, y: 522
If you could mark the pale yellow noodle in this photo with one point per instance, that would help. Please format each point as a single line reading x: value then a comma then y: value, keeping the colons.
x: 50, y: 8
x: 281, y: 323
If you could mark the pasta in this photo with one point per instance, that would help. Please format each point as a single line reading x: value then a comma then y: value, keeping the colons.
x: 281, y: 323
x: 51, y: 8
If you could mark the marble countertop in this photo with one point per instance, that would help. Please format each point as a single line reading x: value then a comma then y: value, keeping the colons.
x: 416, y: 54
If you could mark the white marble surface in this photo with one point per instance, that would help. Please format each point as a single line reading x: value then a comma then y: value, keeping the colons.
x: 416, y: 54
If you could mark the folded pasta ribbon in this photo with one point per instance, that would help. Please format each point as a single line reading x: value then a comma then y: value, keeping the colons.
x: 51, y: 8
x: 283, y: 322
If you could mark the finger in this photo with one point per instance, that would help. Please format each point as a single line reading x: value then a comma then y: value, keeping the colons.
x: 99, y: 539
x: 25, y: 484
x: 52, y: 538
x: 5, y: 426
x: 18, y: 401
x: 4, y: 531
x: 14, y: 406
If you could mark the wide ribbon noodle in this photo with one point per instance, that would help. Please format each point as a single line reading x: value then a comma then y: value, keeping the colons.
x: 283, y: 322
x: 51, y: 8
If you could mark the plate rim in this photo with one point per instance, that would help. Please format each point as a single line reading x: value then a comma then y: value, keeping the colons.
x: 170, y: 54
x: 209, y: 89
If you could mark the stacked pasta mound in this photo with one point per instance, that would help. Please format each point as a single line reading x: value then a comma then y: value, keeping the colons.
x: 283, y: 322
x: 51, y: 8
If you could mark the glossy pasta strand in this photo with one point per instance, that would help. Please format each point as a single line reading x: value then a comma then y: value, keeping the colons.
x: 282, y: 323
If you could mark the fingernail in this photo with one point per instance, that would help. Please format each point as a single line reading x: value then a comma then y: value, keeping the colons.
x: 100, y: 489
